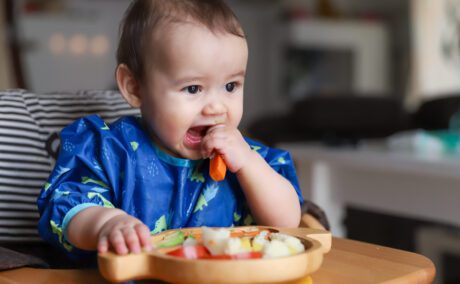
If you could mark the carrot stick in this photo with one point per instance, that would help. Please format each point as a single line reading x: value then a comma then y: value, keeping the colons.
x: 217, y: 168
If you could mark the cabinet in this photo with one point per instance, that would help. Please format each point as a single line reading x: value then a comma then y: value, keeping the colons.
x: 355, y: 56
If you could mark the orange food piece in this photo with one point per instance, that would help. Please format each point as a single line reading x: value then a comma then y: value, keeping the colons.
x: 241, y: 233
x: 217, y: 168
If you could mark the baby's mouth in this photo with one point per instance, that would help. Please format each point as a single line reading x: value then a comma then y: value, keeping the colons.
x: 195, y: 135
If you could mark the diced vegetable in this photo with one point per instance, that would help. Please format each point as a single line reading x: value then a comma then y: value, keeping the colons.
x: 190, y: 241
x: 221, y: 244
x: 259, y: 241
x: 235, y: 246
x: 217, y: 168
x: 276, y: 248
x: 191, y: 252
x: 246, y: 244
x: 215, y: 240
x: 294, y: 244
x: 244, y: 233
x: 174, y: 239
x: 201, y: 252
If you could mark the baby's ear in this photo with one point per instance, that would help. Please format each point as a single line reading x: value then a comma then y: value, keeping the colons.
x: 128, y: 85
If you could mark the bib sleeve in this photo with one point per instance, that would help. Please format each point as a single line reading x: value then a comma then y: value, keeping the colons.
x: 86, y: 174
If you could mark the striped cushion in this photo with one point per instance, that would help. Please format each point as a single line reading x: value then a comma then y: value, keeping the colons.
x: 53, y: 111
x: 24, y: 166
x: 27, y: 121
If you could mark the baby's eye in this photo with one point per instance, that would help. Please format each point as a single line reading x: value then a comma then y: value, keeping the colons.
x: 230, y: 87
x: 193, y: 89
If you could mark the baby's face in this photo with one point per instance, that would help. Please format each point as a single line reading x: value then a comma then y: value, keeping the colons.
x: 194, y: 80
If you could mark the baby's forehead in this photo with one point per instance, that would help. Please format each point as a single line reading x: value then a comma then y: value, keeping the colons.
x: 183, y: 32
x: 170, y: 25
x: 185, y: 49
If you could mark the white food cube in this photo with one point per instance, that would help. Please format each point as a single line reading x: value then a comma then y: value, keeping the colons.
x: 234, y: 246
x: 259, y: 242
x: 276, y: 248
x: 294, y: 244
x: 215, y: 240
x: 190, y: 242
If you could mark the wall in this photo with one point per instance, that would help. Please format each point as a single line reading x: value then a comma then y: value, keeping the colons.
x: 436, y: 49
x: 264, y: 92
x: 262, y: 21
x: 73, y: 48
x: 6, y: 80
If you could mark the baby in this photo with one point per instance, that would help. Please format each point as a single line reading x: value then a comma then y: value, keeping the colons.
x: 183, y: 63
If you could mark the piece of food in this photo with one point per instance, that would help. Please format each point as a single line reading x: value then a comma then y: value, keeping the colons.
x: 260, y: 241
x: 217, y: 168
x: 201, y: 252
x: 191, y: 252
x: 190, y: 241
x: 215, y: 240
x: 244, y: 232
x: 236, y: 246
x: 174, y: 239
x: 236, y: 243
x: 294, y: 244
x: 275, y: 249
x: 246, y: 244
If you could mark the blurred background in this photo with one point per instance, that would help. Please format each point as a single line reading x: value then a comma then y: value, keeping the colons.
x: 365, y: 95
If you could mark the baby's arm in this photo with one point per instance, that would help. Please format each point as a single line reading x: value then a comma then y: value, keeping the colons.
x: 85, y: 180
x: 271, y: 198
x: 101, y: 228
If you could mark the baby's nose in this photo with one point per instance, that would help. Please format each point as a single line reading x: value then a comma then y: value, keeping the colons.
x: 214, y: 108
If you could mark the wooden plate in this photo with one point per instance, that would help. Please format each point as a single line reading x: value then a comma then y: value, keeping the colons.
x: 158, y: 265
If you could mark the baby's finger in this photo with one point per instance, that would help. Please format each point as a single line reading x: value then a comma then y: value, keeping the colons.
x: 217, y: 131
x: 103, y: 244
x: 144, y: 236
x: 213, y: 133
x: 118, y: 242
x: 131, y: 239
x: 208, y: 151
x: 216, y: 127
x: 216, y: 146
x: 206, y: 147
x: 211, y: 145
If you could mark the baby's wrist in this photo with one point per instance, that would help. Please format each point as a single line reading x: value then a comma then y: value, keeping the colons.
x: 112, y: 213
x: 248, y: 162
x: 110, y: 216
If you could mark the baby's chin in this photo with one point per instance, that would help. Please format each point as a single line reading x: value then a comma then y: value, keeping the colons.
x: 195, y: 156
x: 191, y: 154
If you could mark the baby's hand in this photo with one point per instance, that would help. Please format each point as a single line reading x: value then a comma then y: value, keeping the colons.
x: 124, y: 234
x: 228, y: 142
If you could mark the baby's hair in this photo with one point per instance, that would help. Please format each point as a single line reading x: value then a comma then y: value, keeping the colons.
x: 143, y: 17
